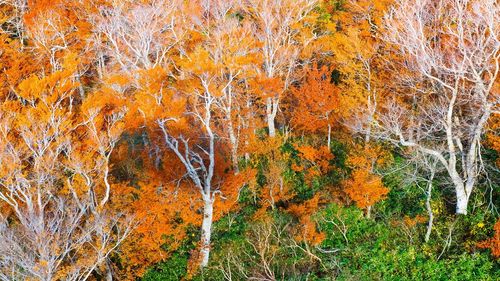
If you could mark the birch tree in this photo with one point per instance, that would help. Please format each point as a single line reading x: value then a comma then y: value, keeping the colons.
x: 136, y: 35
x: 233, y: 50
x: 198, y: 159
x: 450, y: 52
x: 54, y: 188
x: 276, y: 26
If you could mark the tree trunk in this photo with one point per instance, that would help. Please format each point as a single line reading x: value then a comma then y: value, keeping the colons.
x: 462, y: 200
x: 271, y: 127
x: 369, y: 212
x: 460, y: 191
x: 109, y: 271
x: 234, y: 147
x: 271, y: 111
x: 329, y: 136
x: 429, y: 211
x: 234, y: 160
x: 206, y: 230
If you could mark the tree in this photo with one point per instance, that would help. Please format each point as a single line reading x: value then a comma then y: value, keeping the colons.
x: 198, y: 168
x: 233, y: 48
x: 55, y: 28
x: 423, y: 175
x: 365, y: 187
x: 356, y: 47
x: 195, y: 148
x: 493, y: 243
x: 317, y: 101
x: 176, y: 85
x: 277, y: 22
x: 56, y: 222
x: 13, y: 12
x: 450, y: 51
x: 136, y: 35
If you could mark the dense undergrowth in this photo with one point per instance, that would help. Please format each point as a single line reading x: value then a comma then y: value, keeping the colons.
x: 252, y: 243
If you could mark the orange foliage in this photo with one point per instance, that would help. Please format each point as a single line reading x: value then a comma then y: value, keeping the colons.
x: 57, y: 144
x: 57, y: 27
x: 493, y: 243
x: 412, y: 222
x: 365, y: 188
x: 493, y: 138
x: 163, y: 212
x: 210, y: 74
x: 317, y: 101
x: 276, y: 188
x: 308, y: 230
x: 317, y: 160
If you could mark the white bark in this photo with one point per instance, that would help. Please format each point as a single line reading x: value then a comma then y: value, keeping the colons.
x: 329, y: 136
x: 271, y: 111
x: 462, y: 201
x: 56, y: 226
x: 451, y: 50
x: 280, y: 49
x: 234, y: 147
x: 15, y: 20
x: 428, y: 206
x: 199, y: 169
x: 138, y: 35
x: 206, y: 230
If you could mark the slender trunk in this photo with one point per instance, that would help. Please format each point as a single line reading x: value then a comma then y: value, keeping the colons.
x: 234, y: 146
x: 81, y: 90
x: 208, y: 200
x: 106, y: 184
x: 464, y: 191
x: 369, y: 212
x: 206, y: 230
x: 270, y: 125
x: 234, y: 160
x: 429, y: 208
x: 109, y: 271
x: 368, y: 133
x: 271, y: 111
x: 246, y: 126
x: 462, y: 200
x: 460, y: 191
x: 329, y: 136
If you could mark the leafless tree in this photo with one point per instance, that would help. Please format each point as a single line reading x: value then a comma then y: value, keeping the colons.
x: 137, y: 35
x: 199, y: 160
x: 451, y: 51
x: 260, y: 258
x: 425, y: 170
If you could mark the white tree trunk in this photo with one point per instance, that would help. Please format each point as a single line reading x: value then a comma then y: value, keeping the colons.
x: 206, y: 230
x: 329, y: 137
x: 428, y: 206
x: 462, y: 200
x: 109, y: 271
x: 234, y: 146
x: 431, y: 216
x: 270, y: 126
x: 369, y: 212
x: 271, y: 111
x: 464, y: 82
